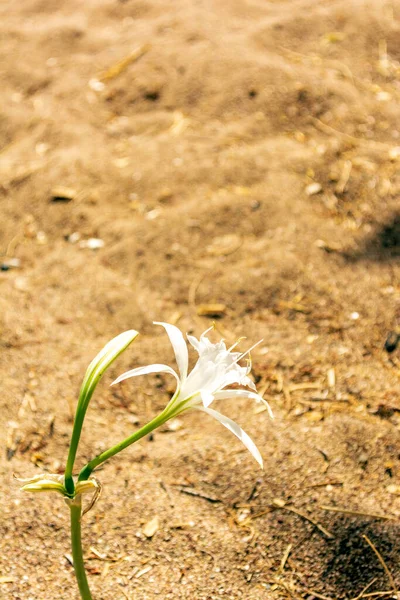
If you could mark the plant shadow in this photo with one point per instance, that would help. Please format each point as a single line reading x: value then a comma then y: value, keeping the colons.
x: 347, y: 563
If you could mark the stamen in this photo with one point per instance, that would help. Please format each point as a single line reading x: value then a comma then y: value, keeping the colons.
x: 249, y: 364
x: 207, y: 330
x: 236, y: 343
x: 248, y: 351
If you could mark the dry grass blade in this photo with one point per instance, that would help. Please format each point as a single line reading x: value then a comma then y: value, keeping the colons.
x: 322, y: 529
x: 380, y: 558
x: 325, y: 128
x: 126, y: 595
x: 356, y: 513
x: 378, y: 594
x: 120, y: 66
x: 344, y: 177
x: 316, y: 594
x: 284, y: 559
x: 361, y: 594
x: 292, y: 593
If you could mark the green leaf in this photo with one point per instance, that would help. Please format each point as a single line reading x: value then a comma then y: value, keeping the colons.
x: 45, y: 486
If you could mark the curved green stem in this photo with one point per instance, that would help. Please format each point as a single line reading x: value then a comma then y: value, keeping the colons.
x: 145, y: 430
x: 76, y: 543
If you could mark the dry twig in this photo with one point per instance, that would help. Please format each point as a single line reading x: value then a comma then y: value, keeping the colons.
x: 192, y: 492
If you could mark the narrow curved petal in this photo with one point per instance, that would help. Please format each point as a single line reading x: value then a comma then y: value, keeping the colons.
x: 193, y: 342
x: 179, y: 345
x: 226, y: 394
x: 145, y: 371
x: 206, y: 398
x: 236, y: 430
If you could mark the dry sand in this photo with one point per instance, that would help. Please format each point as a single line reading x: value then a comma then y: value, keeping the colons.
x: 243, y: 153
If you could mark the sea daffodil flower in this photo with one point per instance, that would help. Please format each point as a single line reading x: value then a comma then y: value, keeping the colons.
x: 216, y: 368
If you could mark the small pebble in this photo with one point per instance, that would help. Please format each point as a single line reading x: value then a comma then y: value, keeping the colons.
x: 62, y: 194
x: 394, y: 153
x: 92, y: 243
x: 96, y: 85
x: 10, y: 263
x: 383, y: 96
x: 41, y: 238
x: 74, y: 237
x: 313, y: 188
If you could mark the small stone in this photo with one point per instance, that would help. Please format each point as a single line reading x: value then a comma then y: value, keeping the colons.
x: 21, y: 284
x: 313, y: 188
x: 224, y: 244
x: 96, y: 85
x: 41, y: 238
x: 62, y: 194
x: 383, y: 96
x: 10, y: 263
x: 211, y: 310
x: 74, y: 237
x: 152, y: 214
x: 175, y: 425
x: 151, y: 527
x: 394, y: 153
x: 41, y: 148
x: 92, y: 243
x: 278, y: 502
x: 122, y: 162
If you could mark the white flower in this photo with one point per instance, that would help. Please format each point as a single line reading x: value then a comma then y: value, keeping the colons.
x: 216, y: 368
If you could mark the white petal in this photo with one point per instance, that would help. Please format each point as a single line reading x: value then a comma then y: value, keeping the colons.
x: 206, y: 398
x: 236, y: 430
x: 203, y: 344
x: 247, y: 381
x: 179, y: 345
x: 194, y: 342
x: 226, y: 394
x: 146, y: 371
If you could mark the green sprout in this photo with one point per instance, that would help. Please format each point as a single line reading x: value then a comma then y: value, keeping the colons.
x: 216, y: 368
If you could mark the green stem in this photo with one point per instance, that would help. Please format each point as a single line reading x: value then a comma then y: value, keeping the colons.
x: 73, y: 447
x: 146, y: 429
x: 76, y: 543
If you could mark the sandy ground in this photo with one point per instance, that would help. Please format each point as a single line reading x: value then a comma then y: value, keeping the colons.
x: 238, y: 153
